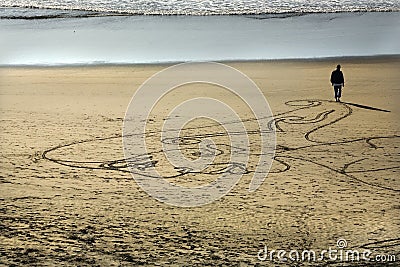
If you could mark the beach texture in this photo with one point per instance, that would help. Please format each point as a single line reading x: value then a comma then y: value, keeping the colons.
x: 68, y: 199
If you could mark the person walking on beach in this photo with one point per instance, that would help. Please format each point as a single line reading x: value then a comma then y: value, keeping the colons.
x: 337, y: 81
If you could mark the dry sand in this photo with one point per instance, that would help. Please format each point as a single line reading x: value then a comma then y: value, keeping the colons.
x: 335, y: 175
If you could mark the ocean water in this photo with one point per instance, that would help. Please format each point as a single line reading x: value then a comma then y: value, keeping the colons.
x: 59, y: 32
x: 59, y: 8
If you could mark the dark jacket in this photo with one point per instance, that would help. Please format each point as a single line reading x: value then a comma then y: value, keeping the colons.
x: 337, y: 77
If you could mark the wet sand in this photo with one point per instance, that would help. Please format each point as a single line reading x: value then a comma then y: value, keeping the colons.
x: 65, y: 200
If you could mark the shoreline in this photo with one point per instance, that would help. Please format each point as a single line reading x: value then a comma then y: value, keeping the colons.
x: 377, y: 58
x: 88, y: 13
x: 165, y: 39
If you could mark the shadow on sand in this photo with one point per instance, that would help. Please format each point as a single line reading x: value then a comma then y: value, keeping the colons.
x: 366, y: 107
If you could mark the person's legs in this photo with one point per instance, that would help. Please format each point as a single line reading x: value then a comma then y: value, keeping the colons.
x: 339, y: 93
x: 335, y: 88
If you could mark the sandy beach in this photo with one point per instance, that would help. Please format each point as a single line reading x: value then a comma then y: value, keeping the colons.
x: 66, y: 201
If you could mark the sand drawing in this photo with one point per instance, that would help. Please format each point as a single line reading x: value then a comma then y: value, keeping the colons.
x: 300, y: 131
